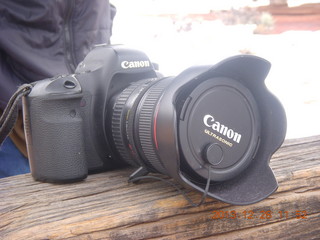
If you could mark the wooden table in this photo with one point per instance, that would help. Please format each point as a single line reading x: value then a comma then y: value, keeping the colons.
x: 105, y: 206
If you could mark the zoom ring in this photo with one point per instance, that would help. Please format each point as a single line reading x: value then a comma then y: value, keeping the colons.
x: 118, y: 124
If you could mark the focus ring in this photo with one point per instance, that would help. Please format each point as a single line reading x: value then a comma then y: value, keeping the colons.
x: 145, y: 124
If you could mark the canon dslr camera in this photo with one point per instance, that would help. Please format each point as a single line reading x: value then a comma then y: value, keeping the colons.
x: 212, y: 128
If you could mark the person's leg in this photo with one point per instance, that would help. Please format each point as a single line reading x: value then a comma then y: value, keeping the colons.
x: 12, y: 162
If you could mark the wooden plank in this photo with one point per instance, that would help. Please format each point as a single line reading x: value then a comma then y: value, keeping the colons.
x: 105, y: 206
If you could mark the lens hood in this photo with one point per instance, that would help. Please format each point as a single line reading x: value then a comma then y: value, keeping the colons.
x: 221, y: 122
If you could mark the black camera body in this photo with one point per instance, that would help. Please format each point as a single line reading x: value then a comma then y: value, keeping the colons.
x: 215, y: 124
x: 65, y: 115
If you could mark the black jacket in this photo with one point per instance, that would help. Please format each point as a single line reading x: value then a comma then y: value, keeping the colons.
x: 43, y: 38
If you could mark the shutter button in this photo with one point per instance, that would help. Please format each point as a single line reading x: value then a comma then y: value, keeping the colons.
x: 214, y: 154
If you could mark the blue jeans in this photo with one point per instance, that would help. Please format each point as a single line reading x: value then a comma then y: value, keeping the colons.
x: 12, y: 162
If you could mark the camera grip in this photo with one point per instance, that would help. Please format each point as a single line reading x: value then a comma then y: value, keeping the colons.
x: 54, y: 130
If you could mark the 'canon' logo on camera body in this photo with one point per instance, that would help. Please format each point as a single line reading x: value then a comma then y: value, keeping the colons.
x: 135, y: 64
x: 209, y: 121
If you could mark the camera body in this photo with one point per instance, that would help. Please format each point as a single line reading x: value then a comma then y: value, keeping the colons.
x: 65, y: 115
x: 213, y: 128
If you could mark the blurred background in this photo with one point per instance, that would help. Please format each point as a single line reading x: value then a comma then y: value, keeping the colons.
x: 177, y: 34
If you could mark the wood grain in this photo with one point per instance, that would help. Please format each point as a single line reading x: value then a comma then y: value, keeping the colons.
x: 105, y: 206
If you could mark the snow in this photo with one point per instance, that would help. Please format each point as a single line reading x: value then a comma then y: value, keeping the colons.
x: 295, y: 55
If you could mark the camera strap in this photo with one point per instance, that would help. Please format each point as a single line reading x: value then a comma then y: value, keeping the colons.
x: 181, y: 191
x: 10, y: 113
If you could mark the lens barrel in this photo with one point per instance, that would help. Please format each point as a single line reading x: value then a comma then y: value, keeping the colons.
x: 122, y: 121
x: 219, y: 128
x: 133, y: 123
x: 217, y: 123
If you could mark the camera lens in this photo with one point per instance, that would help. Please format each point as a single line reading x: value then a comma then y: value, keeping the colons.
x: 212, y: 128
x: 219, y: 128
x: 133, y: 126
x: 123, y: 110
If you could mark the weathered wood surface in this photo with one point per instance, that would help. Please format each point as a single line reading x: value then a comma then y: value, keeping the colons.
x: 105, y: 206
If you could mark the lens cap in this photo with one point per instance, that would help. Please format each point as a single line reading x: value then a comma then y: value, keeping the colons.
x: 219, y: 128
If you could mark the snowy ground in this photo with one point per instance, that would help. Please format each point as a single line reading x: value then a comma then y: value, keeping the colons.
x: 295, y: 57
